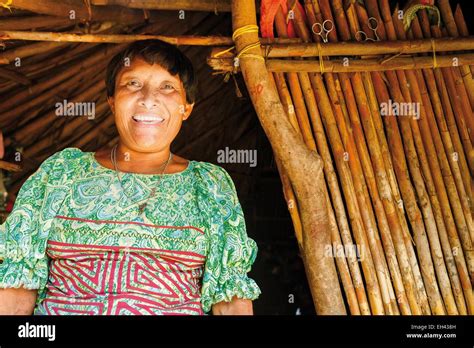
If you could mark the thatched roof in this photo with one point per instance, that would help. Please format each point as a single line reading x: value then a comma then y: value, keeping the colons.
x: 28, y: 119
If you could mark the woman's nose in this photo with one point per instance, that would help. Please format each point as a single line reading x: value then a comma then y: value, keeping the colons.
x: 148, y: 100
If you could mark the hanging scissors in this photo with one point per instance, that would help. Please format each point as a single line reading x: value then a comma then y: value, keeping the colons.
x: 373, y: 25
x: 323, y: 29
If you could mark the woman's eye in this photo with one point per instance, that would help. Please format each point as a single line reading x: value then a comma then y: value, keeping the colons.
x: 169, y: 87
x: 133, y: 83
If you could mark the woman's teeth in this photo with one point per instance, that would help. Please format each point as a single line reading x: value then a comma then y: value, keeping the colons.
x: 148, y: 119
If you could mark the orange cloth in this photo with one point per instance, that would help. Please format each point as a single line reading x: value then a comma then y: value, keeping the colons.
x: 268, y: 11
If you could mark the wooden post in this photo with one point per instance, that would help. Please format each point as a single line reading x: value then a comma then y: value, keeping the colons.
x: 304, y: 167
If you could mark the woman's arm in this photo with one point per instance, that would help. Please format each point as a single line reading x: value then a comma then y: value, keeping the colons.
x: 17, y: 301
x: 237, y: 306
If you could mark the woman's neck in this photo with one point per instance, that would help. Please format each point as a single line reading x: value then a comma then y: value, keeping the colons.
x: 135, y: 161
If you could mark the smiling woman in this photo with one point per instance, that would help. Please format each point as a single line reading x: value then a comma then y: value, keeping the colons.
x: 132, y: 229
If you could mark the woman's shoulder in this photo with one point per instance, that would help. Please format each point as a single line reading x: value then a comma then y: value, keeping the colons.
x: 71, y: 153
x: 68, y: 153
x: 64, y: 161
x: 215, y: 178
x: 211, y: 170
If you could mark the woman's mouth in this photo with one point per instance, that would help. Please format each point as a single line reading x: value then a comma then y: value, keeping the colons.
x: 148, y: 119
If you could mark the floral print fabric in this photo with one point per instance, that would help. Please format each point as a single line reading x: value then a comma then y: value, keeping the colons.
x: 75, y: 234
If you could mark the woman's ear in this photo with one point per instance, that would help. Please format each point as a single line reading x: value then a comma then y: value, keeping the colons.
x: 110, y: 100
x: 188, y: 108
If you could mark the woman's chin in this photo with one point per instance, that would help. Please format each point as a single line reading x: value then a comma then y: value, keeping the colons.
x: 148, y: 145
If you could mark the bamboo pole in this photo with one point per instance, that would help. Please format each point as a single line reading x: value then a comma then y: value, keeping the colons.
x: 386, y: 289
x: 406, y: 254
x: 451, y: 175
x: 399, y: 222
x: 463, y: 31
x: 338, y: 203
x: 290, y: 200
x: 356, y: 155
x: 438, y: 112
x: 413, y: 139
x: 448, y: 19
x: 393, y: 219
x: 407, y: 190
x: 36, y: 49
x: 350, y: 65
x: 374, y: 245
x: 336, y: 238
x: 289, y: 195
x: 346, y: 48
x: 303, y: 166
x: 452, y: 140
x: 455, y: 102
x: 270, y: 47
x: 394, y: 190
x: 409, y: 203
x: 104, y: 38
x: 433, y: 178
x: 462, y: 27
x: 377, y: 284
x: 286, y: 99
x: 288, y: 192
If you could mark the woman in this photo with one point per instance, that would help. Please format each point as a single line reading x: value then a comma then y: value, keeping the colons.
x: 133, y: 229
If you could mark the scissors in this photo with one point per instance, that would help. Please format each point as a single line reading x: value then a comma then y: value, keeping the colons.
x: 362, y: 36
x: 323, y: 29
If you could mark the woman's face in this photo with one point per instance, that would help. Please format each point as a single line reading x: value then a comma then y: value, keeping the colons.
x: 149, y: 106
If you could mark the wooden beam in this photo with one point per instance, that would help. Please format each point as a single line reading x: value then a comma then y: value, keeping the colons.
x: 271, y: 47
x: 186, y: 5
x: 273, y: 50
x: 77, y: 8
x: 104, y: 38
x: 352, y: 65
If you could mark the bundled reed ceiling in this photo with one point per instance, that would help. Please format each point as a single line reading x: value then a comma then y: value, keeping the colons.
x: 52, y: 71
x: 398, y: 189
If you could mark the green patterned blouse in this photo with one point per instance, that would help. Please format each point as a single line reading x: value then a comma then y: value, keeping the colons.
x: 76, y: 234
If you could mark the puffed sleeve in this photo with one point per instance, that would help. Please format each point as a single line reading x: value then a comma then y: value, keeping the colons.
x: 24, y: 234
x: 232, y: 252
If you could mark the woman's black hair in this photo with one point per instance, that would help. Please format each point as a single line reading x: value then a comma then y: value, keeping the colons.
x: 155, y: 52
